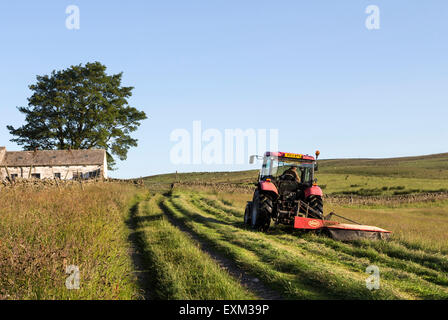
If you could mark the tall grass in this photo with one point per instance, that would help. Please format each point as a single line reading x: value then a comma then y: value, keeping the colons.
x: 44, y: 231
x: 424, y: 227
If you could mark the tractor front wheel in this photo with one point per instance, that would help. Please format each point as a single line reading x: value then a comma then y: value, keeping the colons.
x: 261, y: 212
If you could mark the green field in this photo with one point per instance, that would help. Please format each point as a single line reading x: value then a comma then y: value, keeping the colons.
x: 307, y: 266
x: 187, y: 240
x: 413, y: 263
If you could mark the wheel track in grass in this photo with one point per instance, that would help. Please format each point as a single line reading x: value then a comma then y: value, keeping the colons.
x: 433, y: 287
x: 171, y: 210
x: 168, y: 251
x: 247, y: 280
x: 136, y: 248
x: 432, y: 278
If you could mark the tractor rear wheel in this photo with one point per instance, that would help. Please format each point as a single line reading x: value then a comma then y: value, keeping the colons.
x: 248, y: 214
x: 262, y: 207
x: 316, y: 203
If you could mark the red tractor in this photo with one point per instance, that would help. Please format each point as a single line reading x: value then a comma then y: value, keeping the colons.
x: 286, y: 188
x: 287, y: 193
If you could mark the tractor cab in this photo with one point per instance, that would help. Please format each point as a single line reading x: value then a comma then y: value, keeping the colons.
x: 278, y: 168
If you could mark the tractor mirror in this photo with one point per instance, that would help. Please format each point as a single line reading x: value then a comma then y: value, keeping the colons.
x: 252, y: 159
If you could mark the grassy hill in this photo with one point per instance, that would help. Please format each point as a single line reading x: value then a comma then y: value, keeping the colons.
x: 423, y: 167
x: 391, y: 176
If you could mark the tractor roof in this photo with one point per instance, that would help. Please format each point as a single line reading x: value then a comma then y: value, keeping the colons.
x: 289, y: 155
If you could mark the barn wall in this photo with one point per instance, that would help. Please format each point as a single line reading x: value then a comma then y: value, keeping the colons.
x: 104, y: 167
x: 67, y: 172
x: 2, y: 153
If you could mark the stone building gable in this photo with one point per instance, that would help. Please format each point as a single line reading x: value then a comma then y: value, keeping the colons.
x: 2, y: 154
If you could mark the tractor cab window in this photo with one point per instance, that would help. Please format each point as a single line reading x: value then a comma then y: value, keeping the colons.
x: 282, y: 167
x: 274, y: 168
x: 307, y: 173
x: 266, y: 168
x: 305, y: 170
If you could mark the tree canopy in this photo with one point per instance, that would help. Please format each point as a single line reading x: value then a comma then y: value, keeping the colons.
x: 79, y: 108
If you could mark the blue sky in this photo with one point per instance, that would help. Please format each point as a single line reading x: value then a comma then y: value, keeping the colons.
x: 308, y: 68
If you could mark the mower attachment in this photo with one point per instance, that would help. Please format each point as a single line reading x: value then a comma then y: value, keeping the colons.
x: 341, y: 231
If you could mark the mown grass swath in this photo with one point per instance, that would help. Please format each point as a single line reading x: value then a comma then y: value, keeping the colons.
x: 178, y: 268
x: 303, y: 266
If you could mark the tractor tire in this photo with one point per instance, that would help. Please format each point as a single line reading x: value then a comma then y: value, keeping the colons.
x: 262, y: 208
x: 316, y: 203
x: 248, y: 214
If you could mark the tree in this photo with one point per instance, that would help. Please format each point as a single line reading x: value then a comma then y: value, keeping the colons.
x: 80, y: 108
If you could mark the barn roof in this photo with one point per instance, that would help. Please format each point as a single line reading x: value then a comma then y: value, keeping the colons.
x: 53, y: 158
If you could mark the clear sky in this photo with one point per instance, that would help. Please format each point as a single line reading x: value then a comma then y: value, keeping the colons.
x: 310, y: 69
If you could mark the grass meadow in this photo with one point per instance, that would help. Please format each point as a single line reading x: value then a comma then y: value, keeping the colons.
x: 44, y: 231
x: 308, y: 266
x: 413, y: 263
x: 101, y: 229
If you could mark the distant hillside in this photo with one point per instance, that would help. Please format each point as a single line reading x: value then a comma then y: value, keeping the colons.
x: 421, y: 167
x: 216, y: 177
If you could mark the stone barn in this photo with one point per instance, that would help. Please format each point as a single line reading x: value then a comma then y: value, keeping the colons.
x: 53, y: 164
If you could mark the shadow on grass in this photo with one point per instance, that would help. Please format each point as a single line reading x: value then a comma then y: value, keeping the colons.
x: 140, y: 260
